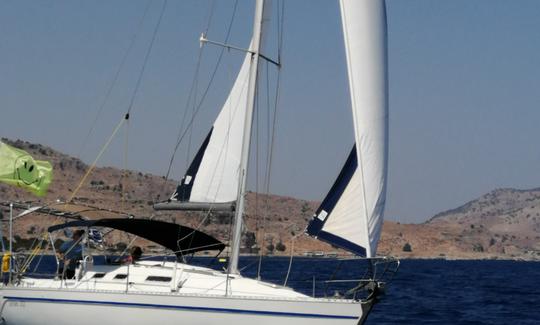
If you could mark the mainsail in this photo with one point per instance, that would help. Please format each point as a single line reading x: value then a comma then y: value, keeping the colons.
x: 351, y: 215
x: 212, y: 179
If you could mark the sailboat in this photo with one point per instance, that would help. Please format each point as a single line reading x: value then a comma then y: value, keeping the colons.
x: 175, y: 292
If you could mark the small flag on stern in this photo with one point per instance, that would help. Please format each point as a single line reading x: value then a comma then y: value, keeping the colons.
x: 18, y: 168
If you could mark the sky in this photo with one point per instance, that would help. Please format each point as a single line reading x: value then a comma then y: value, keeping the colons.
x: 464, y: 91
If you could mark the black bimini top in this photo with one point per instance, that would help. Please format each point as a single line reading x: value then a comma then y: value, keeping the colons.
x: 180, y: 239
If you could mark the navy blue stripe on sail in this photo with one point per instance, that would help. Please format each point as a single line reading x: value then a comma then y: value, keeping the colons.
x: 325, y: 209
x: 335, y: 193
x: 341, y: 243
x: 183, y: 191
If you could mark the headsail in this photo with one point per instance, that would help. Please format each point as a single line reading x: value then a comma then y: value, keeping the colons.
x: 351, y: 215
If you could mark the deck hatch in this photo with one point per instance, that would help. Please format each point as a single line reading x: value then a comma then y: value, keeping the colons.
x: 159, y: 278
x: 98, y: 275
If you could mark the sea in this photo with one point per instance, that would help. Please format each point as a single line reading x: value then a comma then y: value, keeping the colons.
x: 421, y: 292
x: 435, y: 291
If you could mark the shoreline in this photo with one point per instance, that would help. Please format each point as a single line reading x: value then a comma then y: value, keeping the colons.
x: 401, y: 258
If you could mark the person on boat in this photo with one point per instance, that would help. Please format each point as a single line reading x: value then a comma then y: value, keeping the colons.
x: 71, y: 253
x: 135, y: 254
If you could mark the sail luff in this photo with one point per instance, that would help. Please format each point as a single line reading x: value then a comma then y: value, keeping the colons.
x: 351, y: 214
x: 365, y: 35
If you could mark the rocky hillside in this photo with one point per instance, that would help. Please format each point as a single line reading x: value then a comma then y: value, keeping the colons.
x: 282, y: 218
x: 502, y: 224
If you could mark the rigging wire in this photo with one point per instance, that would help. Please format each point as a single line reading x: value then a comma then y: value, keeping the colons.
x: 191, y: 94
x: 146, y: 57
x: 125, y: 118
x: 281, y: 15
x: 210, y: 15
x: 115, y: 78
x: 94, y: 163
x: 182, y: 134
x: 257, y: 127
x: 265, y: 180
x: 281, y: 20
x: 192, y: 98
x: 124, y: 174
x: 189, y: 142
x: 194, y: 85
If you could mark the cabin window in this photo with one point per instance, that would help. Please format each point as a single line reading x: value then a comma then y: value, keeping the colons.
x: 120, y: 276
x: 98, y: 275
x: 159, y: 278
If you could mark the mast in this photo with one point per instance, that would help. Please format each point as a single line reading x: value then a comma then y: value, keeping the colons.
x: 252, y: 89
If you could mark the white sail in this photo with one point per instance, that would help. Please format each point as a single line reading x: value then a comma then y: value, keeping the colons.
x: 213, y: 175
x: 351, y: 215
x: 213, y: 180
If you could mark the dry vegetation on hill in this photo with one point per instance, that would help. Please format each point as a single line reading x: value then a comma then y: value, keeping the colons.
x: 504, y: 223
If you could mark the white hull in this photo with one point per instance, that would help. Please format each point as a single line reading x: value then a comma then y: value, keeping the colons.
x: 196, y: 296
x: 31, y: 306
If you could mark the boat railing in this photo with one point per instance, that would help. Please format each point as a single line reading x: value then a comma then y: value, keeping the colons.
x: 84, y: 265
x: 360, y: 279
x: 342, y: 278
x: 379, y: 272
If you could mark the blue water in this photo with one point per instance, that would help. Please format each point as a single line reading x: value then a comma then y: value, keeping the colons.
x: 462, y: 292
x: 442, y: 292
x: 423, y: 291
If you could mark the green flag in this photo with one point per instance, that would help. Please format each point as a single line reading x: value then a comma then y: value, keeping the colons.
x: 18, y: 168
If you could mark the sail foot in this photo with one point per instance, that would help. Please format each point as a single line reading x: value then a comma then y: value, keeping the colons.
x: 196, y: 206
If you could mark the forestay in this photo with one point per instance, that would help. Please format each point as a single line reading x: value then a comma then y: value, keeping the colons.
x: 351, y: 215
